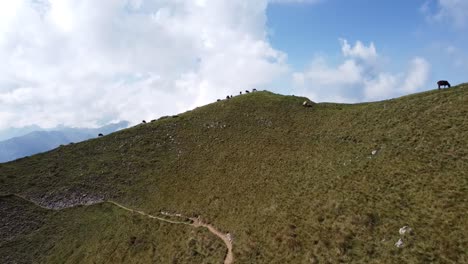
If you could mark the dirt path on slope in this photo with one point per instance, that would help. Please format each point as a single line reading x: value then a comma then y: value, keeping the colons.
x: 147, y: 215
x: 225, y: 237
x: 196, y: 222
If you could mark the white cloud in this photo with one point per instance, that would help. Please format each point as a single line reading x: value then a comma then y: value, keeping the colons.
x: 386, y: 85
x: 359, y: 50
x: 381, y: 86
x: 359, y: 77
x: 416, y: 75
x: 347, y: 73
x: 453, y: 11
x: 83, y: 63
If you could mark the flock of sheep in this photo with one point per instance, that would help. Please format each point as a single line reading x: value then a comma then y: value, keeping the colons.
x: 240, y: 93
x: 306, y: 104
x: 440, y: 83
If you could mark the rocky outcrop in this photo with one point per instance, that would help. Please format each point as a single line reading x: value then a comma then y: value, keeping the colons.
x: 66, y: 198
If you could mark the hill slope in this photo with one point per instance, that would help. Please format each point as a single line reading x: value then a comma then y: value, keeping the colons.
x: 292, y: 184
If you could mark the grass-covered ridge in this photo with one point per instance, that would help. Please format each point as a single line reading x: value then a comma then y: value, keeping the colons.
x: 293, y: 184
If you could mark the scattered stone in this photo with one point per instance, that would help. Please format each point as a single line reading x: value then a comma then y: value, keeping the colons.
x: 399, y: 243
x: 405, y: 230
x: 66, y: 198
x: 374, y: 152
x: 215, y: 124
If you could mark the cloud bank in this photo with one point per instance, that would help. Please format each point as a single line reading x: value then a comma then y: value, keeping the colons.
x: 86, y: 63
x: 451, y: 11
x: 359, y: 76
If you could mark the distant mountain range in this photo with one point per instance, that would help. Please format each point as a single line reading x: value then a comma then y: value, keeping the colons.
x: 43, y: 140
x: 12, y: 132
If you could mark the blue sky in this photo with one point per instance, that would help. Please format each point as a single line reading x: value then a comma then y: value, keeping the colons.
x: 400, y: 30
x: 85, y: 63
x: 302, y: 30
x: 432, y: 32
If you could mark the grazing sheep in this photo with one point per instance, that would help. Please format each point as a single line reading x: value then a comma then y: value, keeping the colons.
x: 443, y: 83
x: 247, y: 91
x: 227, y: 97
x: 254, y: 90
x: 218, y: 100
x: 240, y: 93
x: 100, y: 135
x: 144, y: 122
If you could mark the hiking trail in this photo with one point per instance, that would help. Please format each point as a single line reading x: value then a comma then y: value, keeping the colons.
x: 195, y: 221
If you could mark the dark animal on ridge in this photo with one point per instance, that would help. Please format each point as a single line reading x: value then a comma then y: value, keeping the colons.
x: 247, y: 91
x: 144, y: 122
x: 443, y: 83
x: 240, y: 92
x: 254, y: 90
x: 100, y: 135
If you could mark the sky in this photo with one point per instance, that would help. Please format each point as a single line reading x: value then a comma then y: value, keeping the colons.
x: 86, y: 63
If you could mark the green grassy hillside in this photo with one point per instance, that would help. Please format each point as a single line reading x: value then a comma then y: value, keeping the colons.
x: 293, y: 184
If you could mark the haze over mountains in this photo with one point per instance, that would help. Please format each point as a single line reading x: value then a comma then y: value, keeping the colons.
x: 12, y: 132
x: 32, y: 139
x: 329, y: 183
